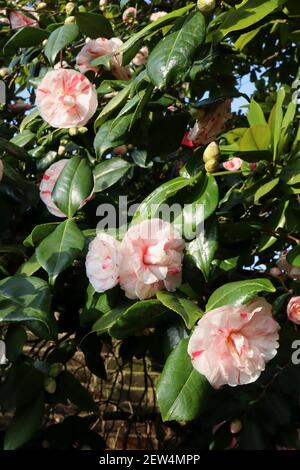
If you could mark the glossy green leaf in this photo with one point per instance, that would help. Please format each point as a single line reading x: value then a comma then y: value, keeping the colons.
x: 203, y: 248
x: 187, y: 309
x: 60, y: 38
x: 275, y: 120
x: 75, y: 392
x: 291, y: 172
x: 25, y: 423
x: 239, y: 292
x: 136, y: 318
x: 27, y: 300
x: 293, y: 256
x: 265, y: 189
x: 170, y: 59
x: 109, y: 172
x: 246, y: 14
x: 181, y: 391
x: 109, y: 318
x: 257, y: 137
x: 38, y: 233
x: 23, y: 138
x: 58, y: 250
x: 112, y: 105
x: 150, y: 206
x: 111, y: 134
x: 94, y: 26
x: 15, y: 340
x: 276, y: 220
x: 26, y: 37
x: 29, y: 267
x: 73, y: 186
x: 255, y: 114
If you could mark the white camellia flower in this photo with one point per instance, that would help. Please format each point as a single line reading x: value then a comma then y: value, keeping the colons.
x: 3, y: 359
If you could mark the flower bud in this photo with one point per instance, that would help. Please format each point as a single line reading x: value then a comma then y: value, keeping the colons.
x: 103, y: 4
x: 73, y: 131
x: 69, y: 8
x: 70, y: 20
x: 44, y: 43
x: 212, y: 152
x: 82, y: 130
x: 211, y: 166
x: 293, y: 310
x: 50, y: 385
x: 41, y: 6
x: 61, y: 150
x: 56, y: 369
x: 4, y: 71
x: 235, y: 426
x: 206, y: 6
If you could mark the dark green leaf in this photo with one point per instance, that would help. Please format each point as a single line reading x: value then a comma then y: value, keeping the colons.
x: 26, y: 37
x: 202, y: 250
x: 187, y: 309
x: 75, y: 392
x: 94, y: 26
x: 111, y: 134
x: 109, y: 172
x: 59, y: 39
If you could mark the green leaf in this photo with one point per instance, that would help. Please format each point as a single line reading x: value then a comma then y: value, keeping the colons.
x: 256, y: 115
x: 109, y: 172
x: 29, y: 118
x: 112, y: 105
x: 109, y: 318
x: 257, y: 137
x: 94, y: 26
x: 246, y: 14
x: 73, y: 186
x: 59, y: 39
x: 15, y: 151
x: 137, y: 317
x: 188, y: 311
x: 27, y: 300
x: 265, y: 189
x: 25, y: 37
x: 170, y: 59
x: 202, y: 250
x: 275, y: 221
x: 111, y: 134
x: 291, y: 173
x: 39, y: 233
x: 15, y: 340
x: 239, y: 292
x: 149, y: 207
x: 25, y: 423
x: 57, y: 251
x: 75, y: 392
x: 275, y: 121
x: 22, y: 139
x: 293, y: 256
x: 245, y: 38
x: 181, y: 391
x: 29, y: 267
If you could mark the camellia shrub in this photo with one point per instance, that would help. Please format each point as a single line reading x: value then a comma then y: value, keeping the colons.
x: 150, y: 182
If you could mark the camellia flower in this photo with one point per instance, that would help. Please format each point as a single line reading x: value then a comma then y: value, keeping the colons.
x: 98, y: 48
x: 186, y: 141
x: 231, y: 344
x: 155, y: 16
x: 3, y: 359
x: 66, y: 98
x: 293, y: 310
x: 291, y: 271
x: 129, y: 15
x: 211, y: 123
x: 47, y: 185
x: 103, y: 262
x: 233, y: 164
x: 152, y: 254
x: 141, y: 57
x: 19, y: 20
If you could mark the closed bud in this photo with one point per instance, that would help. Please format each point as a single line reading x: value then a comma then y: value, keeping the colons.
x: 103, y: 4
x: 55, y: 369
x: 70, y: 20
x: 41, y: 6
x: 50, y: 385
x: 44, y: 43
x: 82, y: 130
x: 235, y: 426
x: 211, y: 166
x: 206, y: 6
x: 63, y: 142
x: 61, y: 150
x: 212, y: 152
x: 81, y: 9
x: 4, y: 71
x: 73, y: 131
x: 69, y: 8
